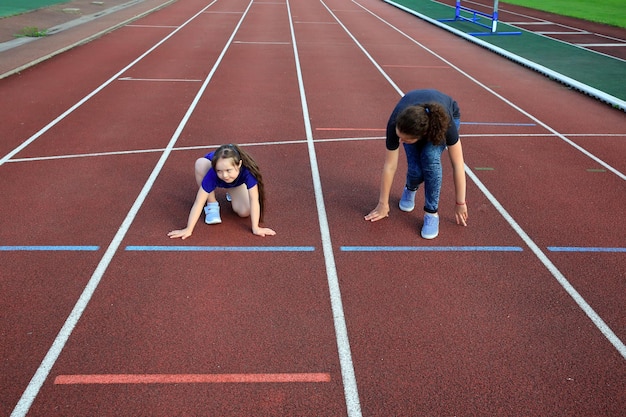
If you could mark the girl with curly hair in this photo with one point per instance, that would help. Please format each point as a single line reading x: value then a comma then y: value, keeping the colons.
x: 426, y: 122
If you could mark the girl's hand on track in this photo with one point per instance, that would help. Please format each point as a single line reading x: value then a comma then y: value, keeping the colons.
x: 380, y: 212
x: 183, y: 234
x: 263, y: 231
x: 461, y: 214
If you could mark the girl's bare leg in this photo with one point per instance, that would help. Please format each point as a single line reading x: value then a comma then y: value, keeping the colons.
x: 202, y: 166
x: 240, y: 200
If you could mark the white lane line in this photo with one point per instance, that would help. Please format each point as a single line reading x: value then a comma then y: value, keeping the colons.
x: 263, y: 42
x: 151, y: 26
x: 53, y: 123
x: 569, y: 288
x: 561, y: 33
x: 350, y: 389
x: 486, y: 88
x: 612, y: 45
x: 300, y: 141
x: 540, y: 23
x: 33, y: 388
x: 595, y: 318
x: 176, y: 80
x: 358, y: 44
x: 302, y: 22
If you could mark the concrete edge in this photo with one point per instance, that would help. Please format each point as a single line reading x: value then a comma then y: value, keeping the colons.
x: 76, y: 22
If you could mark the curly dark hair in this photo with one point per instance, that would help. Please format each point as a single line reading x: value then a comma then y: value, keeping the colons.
x: 239, y: 155
x: 429, y: 121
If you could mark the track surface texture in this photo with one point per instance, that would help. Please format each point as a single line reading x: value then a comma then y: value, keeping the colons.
x: 519, y: 313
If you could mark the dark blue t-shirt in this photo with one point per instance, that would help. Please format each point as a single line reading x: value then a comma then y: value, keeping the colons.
x: 211, y: 181
x: 417, y: 97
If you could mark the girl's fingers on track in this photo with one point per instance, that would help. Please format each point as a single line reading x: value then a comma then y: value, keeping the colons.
x: 375, y: 216
x: 178, y: 234
x: 265, y: 232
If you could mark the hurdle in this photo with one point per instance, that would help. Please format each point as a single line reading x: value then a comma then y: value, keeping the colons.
x: 475, y: 18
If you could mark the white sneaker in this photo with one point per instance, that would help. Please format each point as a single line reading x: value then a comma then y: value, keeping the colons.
x: 212, y: 213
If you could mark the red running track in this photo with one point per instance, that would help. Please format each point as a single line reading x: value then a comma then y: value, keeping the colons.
x: 520, y: 313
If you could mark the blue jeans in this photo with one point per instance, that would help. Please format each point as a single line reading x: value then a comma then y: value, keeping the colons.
x: 424, y: 166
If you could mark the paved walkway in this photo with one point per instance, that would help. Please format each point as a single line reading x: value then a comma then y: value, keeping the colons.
x: 68, y: 25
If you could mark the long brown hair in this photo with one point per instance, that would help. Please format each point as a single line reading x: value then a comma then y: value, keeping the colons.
x: 429, y: 121
x: 239, y: 155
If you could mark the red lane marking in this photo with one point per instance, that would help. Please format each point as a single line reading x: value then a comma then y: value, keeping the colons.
x: 188, y: 378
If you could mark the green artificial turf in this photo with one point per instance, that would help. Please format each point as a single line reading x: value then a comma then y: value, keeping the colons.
x: 13, y: 7
x: 610, y: 12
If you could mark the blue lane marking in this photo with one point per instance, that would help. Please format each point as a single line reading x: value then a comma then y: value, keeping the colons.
x: 431, y: 248
x: 49, y: 248
x: 221, y: 248
x: 583, y: 249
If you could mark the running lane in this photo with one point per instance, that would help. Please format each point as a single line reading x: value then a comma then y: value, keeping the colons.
x: 228, y: 331
x: 64, y: 203
x: 481, y: 322
x: 474, y: 322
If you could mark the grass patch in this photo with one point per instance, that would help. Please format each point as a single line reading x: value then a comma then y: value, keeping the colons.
x: 31, y: 32
x: 610, y: 12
